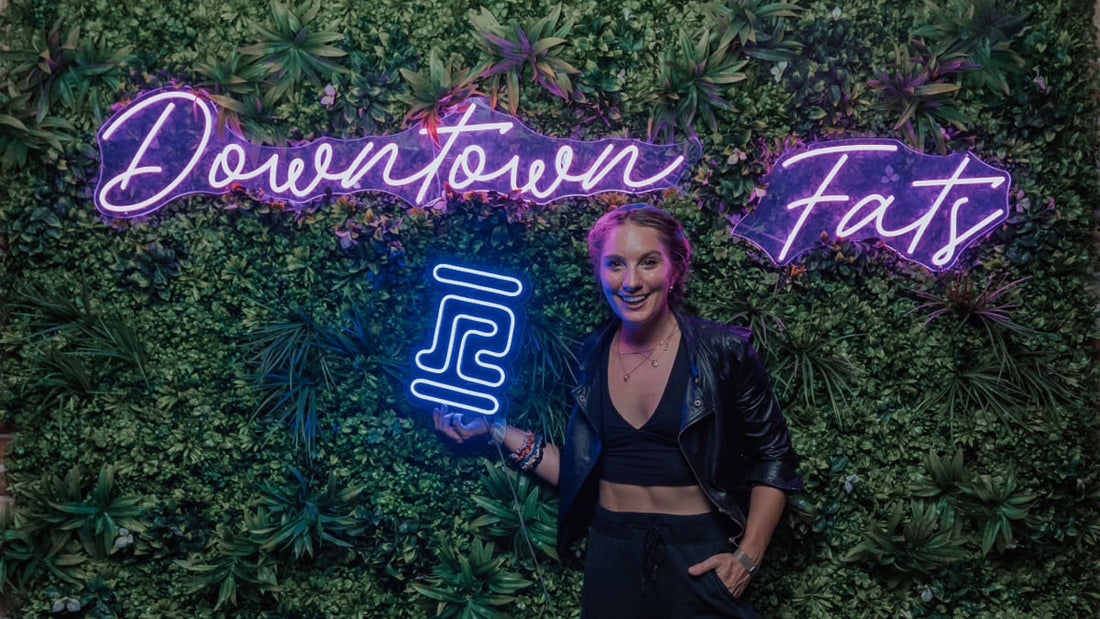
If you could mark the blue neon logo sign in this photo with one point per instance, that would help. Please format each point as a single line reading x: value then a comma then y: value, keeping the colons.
x: 478, y: 321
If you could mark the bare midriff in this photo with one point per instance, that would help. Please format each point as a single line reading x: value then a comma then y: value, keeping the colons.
x: 678, y: 500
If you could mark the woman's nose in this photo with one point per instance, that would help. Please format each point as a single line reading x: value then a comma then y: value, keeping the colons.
x: 630, y: 280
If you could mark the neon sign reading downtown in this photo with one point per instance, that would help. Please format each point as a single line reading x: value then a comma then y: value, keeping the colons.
x: 165, y: 144
x: 466, y: 366
x: 927, y: 208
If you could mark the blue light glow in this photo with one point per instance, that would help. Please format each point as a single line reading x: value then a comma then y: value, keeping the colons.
x: 467, y: 365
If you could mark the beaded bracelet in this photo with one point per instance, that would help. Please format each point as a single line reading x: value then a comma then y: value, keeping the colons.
x: 525, y: 450
x: 531, y: 462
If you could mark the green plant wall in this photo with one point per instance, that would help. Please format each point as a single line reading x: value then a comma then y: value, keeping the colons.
x: 209, y: 403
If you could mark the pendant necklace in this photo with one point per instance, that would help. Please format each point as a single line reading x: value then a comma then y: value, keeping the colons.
x: 654, y: 361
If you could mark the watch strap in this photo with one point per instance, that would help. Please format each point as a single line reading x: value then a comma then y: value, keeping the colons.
x: 745, y: 560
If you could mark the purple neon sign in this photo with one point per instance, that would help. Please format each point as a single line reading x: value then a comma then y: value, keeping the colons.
x: 165, y: 144
x: 927, y: 208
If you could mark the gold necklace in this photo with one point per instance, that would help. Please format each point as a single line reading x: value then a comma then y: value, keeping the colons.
x: 655, y: 361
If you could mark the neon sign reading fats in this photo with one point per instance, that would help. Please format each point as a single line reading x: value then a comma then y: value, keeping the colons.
x: 927, y: 208
x: 476, y: 326
x: 165, y: 144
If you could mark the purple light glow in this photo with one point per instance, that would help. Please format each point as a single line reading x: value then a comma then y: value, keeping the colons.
x: 164, y: 145
x: 925, y: 207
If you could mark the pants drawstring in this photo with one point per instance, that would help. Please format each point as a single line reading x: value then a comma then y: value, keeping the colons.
x: 653, y: 555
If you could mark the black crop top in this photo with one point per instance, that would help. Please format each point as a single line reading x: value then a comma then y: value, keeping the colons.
x: 650, y: 455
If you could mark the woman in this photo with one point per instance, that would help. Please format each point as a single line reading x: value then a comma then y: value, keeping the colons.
x: 674, y: 434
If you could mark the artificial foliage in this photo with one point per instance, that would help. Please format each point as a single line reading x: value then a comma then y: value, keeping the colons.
x: 209, y: 401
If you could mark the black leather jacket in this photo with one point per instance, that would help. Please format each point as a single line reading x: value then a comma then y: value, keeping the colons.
x: 733, y: 434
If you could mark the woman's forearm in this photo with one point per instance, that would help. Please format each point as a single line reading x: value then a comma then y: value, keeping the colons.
x: 548, y: 468
x: 765, y: 508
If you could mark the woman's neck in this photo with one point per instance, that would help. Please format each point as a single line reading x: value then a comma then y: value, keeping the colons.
x: 648, y: 335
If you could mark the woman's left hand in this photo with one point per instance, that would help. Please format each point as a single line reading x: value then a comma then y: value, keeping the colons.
x: 729, y: 570
x: 456, y: 427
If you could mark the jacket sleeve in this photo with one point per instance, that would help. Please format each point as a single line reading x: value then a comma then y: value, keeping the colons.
x: 767, y: 442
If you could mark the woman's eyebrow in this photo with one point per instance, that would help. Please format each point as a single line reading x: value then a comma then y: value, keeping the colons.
x: 648, y: 254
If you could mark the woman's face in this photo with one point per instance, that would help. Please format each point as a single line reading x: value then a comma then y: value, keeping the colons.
x: 635, y: 273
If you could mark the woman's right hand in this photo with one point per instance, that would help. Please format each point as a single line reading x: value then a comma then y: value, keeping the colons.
x: 458, y: 428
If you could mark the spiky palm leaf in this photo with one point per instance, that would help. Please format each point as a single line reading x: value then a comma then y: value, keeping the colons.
x: 290, y: 51
x: 518, y: 509
x: 290, y: 371
x: 470, y: 582
x: 66, y: 509
x: 231, y: 75
x: 997, y: 503
x: 693, y: 80
x: 913, y: 543
x: 301, y: 516
x: 806, y: 362
x: 443, y: 86
x: 236, y: 566
x: 976, y: 385
x: 918, y: 92
x: 113, y: 338
x: 516, y: 51
x: 39, y: 68
x: 758, y: 27
x: 946, y: 476
x: 983, y: 31
x: 22, y: 131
